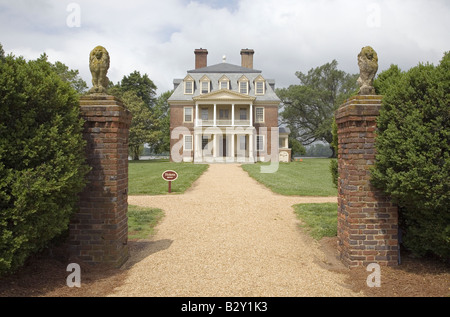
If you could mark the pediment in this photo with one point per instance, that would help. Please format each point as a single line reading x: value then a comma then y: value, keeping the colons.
x: 225, y: 95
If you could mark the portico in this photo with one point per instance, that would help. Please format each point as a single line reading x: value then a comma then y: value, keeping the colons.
x: 223, y: 127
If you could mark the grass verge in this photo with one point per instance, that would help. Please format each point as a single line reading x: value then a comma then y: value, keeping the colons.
x: 142, y: 221
x: 311, y: 177
x: 320, y: 220
x: 144, y: 177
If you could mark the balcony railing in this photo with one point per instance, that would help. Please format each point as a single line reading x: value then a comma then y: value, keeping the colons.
x: 222, y: 122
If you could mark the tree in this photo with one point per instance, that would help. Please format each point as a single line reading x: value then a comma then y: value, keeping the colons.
x: 2, y: 53
x: 162, y: 111
x: 71, y: 76
x: 308, y: 108
x: 296, y: 147
x: 413, y: 153
x: 42, y: 157
x: 150, y: 123
x: 386, y: 79
x: 142, y: 85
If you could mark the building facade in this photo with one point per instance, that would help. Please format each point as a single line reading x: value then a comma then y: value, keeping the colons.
x: 226, y: 113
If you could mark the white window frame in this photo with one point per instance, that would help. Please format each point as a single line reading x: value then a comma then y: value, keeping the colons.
x: 184, y: 114
x: 226, y: 82
x: 243, y: 111
x: 185, y: 148
x: 203, y: 112
x: 205, y: 81
x: 258, y: 90
x: 258, y: 143
x: 243, y: 82
x: 186, y: 92
x: 256, y: 115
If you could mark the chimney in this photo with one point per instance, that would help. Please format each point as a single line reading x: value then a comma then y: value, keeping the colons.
x: 247, y: 58
x: 201, y: 58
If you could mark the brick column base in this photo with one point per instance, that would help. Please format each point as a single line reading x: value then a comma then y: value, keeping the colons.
x: 98, y: 233
x: 367, y: 220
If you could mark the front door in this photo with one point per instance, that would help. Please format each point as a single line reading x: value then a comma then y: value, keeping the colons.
x: 224, y: 147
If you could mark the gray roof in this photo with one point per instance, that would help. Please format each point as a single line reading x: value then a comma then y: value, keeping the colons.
x: 284, y: 130
x: 233, y: 72
x: 224, y: 68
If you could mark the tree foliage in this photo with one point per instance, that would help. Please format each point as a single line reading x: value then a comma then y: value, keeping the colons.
x: 42, y: 159
x: 71, y: 76
x: 308, y: 108
x: 413, y: 153
x: 150, y: 123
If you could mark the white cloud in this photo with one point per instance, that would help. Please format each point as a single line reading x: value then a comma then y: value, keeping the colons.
x: 159, y: 37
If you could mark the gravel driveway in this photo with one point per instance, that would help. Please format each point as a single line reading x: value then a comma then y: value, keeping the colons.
x: 229, y: 236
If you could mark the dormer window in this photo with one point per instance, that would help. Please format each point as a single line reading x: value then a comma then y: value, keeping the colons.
x: 260, y: 85
x: 243, y: 85
x: 188, y: 85
x: 224, y: 83
x: 205, y: 85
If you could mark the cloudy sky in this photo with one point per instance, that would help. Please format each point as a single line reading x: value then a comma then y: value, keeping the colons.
x: 159, y: 37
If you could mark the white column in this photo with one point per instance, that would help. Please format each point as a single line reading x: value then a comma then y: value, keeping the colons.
x: 232, y: 146
x: 251, y: 114
x: 196, y: 115
x: 232, y: 115
x: 250, y: 147
x: 214, y: 142
x: 215, y: 112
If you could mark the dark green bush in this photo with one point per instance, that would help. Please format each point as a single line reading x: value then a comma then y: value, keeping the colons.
x: 42, y: 159
x: 334, y: 162
x: 413, y: 157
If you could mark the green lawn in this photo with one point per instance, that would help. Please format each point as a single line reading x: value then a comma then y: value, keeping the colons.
x: 312, y: 177
x: 141, y: 221
x: 144, y: 177
x: 320, y: 220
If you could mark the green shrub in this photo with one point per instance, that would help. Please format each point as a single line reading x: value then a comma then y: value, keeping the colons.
x: 413, y: 160
x: 42, y: 159
x: 334, y: 163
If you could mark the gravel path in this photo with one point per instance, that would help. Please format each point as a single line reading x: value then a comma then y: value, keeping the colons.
x: 229, y: 236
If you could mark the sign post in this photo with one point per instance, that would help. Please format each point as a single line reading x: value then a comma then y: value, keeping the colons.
x: 170, y: 176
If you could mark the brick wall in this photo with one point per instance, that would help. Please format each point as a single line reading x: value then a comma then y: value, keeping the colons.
x: 99, y: 231
x: 367, y: 220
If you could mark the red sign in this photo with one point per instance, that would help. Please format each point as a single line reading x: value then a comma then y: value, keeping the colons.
x: 169, y: 175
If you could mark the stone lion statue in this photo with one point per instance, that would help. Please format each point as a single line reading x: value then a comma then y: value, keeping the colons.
x: 368, y: 67
x: 99, y: 65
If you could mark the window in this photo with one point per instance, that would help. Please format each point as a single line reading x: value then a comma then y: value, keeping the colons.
x: 243, y: 143
x: 224, y: 82
x: 260, y: 88
x: 260, y: 142
x: 188, y: 117
x: 205, y: 87
x: 242, y: 114
x: 188, y: 143
x: 188, y: 85
x: 259, y: 114
x: 205, y: 84
x: 260, y: 85
x: 243, y: 85
x: 224, y: 113
x: 204, y: 113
